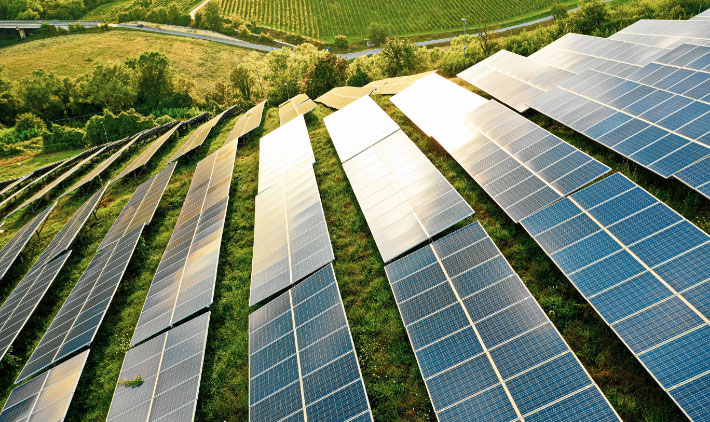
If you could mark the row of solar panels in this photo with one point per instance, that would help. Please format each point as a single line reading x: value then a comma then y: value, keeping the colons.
x: 79, y: 318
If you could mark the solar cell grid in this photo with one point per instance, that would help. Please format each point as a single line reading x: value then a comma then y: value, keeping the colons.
x: 170, y: 366
x: 643, y: 268
x: 286, y: 147
x: 13, y: 248
x: 247, y: 122
x: 391, y: 86
x: 46, y: 397
x: 485, y: 348
x: 185, y: 279
x: 149, y: 152
x: 291, y: 237
x: 350, y: 136
x: 404, y: 198
x: 294, y: 107
x: 666, y: 33
x: 199, y: 136
x: 302, y: 362
x: 341, y: 96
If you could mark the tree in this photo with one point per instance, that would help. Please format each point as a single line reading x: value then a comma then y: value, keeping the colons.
x: 44, y: 95
x: 176, y: 17
x: 399, y: 57
x: 9, y: 102
x: 377, y: 33
x: 359, y: 77
x: 326, y: 73
x: 153, y: 77
x: 110, y: 86
x: 341, y: 42
x: 28, y: 121
x: 210, y: 17
x: 590, y: 17
x: 558, y: 11
x: 486, y: 42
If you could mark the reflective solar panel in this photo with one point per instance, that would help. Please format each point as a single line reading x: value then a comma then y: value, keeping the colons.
x: 149, y: 152
x: 485, y: 348
x: 291, y: 237
x: 59, y: 180
x: 140, y: 208
x: 696, y: 176
x: 391, y: 86
x: 79, y: 319
x: 185, y: 279
x: 46, y: 397
x: 666, y: 33
x: 170, y: 366
x: 302, y: 362
x: 513, y: 79
x: 9, y: 185
x: 294, y: 107
x: 13, y: 248
x: 341, y: 96
x: 358, y: 126
x: 199, y: 136
x: 646, y: 271
x: 404, y: 198
x: 284, y: 148
x: 702, y: 15
x: 247, y: 122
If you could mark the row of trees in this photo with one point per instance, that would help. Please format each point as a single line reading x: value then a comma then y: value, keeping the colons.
x: 47, y: 9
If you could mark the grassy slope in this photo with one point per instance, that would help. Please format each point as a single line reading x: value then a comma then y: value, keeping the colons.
x: 11, y: 168
x: 202, y: 62
x: 394, y: 385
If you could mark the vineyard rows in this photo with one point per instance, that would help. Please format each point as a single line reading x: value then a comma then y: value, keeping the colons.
x: 109, y: 12
x: 325, y: 18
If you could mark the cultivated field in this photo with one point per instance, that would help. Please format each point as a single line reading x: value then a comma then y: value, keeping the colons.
x: 325, y: 18
x: 199, y: 61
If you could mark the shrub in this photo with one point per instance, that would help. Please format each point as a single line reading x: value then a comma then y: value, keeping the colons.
x: 341, y: 42
x: 111, y: 127
x: 61, y: 138
x: 243, y: 31
x: 28, y: 121
x: 377, y: 33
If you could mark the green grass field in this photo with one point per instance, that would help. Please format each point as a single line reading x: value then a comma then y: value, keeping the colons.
x: 323, y: 19
x: 395, y: 388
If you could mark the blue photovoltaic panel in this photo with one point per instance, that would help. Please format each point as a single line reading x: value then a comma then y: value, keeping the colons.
x: 696, y: 176
x: 302, y: 362
x: 484, y: 346
x: 646, y: 270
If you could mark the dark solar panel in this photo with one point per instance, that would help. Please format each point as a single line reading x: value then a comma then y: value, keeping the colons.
x: 149, y: 152
x: 185, y: 279
x: 14, y: 247
x: 46, y: 397
x: 170, y: 366
x: 291, y: 237
x: 485, y: 348
x: 302, y: 362
x: 140, y: 208
x: 645, y: 270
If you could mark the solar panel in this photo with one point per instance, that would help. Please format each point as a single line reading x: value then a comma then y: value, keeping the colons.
x: 9, y: 185
x: 199, y: 136
x: 140, y: 208
x: 46, y: 397
x: 247, y: 122
x: 696, y: 176
x: 291, y: 237
x: 405, y: 199
x: 14, y: 247
x: 185, y: 279
x: 302, y: 362
x: 644, y: 268
x: 79, y: 319
x: 702, y: 16
x: 294, y: 107
x: 513, y: 79
x: 170, y: 368
x: 284, y: 148
x: 149, y: 152
x: 391, y: 86
x: 341, y: 96
x: 12, y: 184
x: 358, y: 126
x: 666, y: 33
x: 485, y: 348
x: 56, y: 182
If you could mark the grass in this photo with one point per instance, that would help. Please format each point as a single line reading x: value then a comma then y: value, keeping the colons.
x: 395, y: 387
x: 23, y: 164
x: 199, y: 61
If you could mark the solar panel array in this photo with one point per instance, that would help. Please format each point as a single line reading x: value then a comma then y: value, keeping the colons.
x: 140, y: 208
x: 185, y: 280
x: 391, y: 86
x: 247, y: 122
x: 485, y: 348
x: 12, y: 184
x: 46, y: 397
x: 520, y: 165
x: 294, y: 107
x: 405, y: 199
x: 512, y: 79
x: 358, y: 126
x: 170, y: 366
x: 283, y: 149
x: 291, y: 237
x: 666, y: 33
x: 702, y: 16
x: 644, y: 268
x: 199, y: 136
x: 302, y: 362
x: 341, y: 96
x: 13, y: 248
x: 149, y: 152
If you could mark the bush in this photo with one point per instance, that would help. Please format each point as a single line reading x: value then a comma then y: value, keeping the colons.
x: 264, y: 38
x: 28, y: 121
x: 62, y: 138
x: 243, y: 31
x: 377, y: 33
x: 111, y: 127
x: 341, y: 42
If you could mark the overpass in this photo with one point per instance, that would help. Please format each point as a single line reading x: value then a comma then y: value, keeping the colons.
x: 22, y: 26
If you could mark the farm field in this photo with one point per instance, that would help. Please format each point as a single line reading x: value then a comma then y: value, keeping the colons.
x: 109, y: 12
x: 202, y: 62
x: 323, y: 19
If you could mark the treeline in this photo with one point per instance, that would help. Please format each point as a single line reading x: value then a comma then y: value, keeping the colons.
x: 47, y: 9
x: 143, y: 10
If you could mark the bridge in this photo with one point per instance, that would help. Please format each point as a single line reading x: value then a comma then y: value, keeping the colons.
x: 25, y: 25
